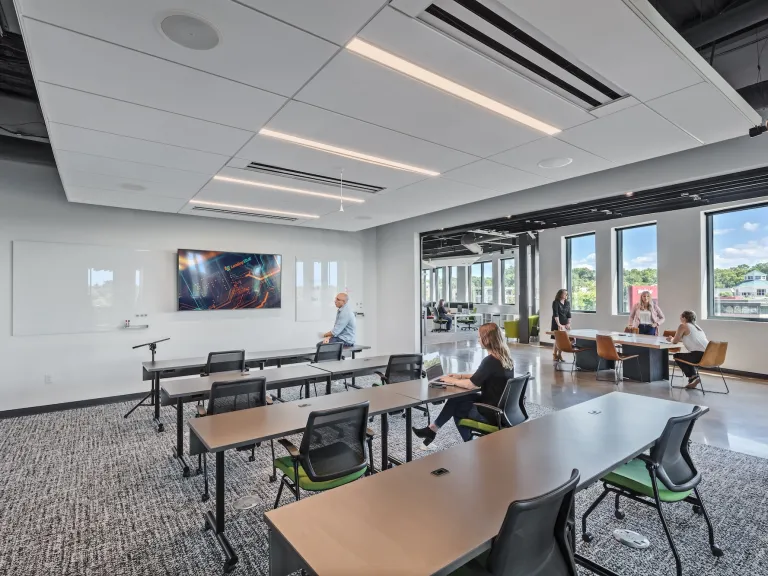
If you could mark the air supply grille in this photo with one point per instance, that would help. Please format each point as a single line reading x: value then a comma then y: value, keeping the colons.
x: 314, y: 178
x: 246, y: 214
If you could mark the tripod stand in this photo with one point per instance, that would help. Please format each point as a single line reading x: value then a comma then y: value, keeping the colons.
x: 154, y: 394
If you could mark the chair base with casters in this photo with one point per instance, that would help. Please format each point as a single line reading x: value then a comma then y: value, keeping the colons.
x: 700, y: 385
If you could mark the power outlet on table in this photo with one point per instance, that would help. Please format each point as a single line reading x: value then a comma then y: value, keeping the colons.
x: 48, y: 379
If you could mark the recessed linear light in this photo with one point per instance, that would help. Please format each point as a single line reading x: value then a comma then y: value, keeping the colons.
x: 253, y: 209
x: 396, y: 63
x: 285, y: 188
x: 346, y: 153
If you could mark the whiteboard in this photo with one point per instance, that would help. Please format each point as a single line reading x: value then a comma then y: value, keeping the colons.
x: 318, y: 280
x: 63, y: 288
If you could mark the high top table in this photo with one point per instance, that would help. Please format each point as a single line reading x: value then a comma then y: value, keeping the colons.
x: 175, y: 368
x: 362, y: 528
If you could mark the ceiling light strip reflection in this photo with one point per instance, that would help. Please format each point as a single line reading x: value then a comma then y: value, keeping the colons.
x: 253, y: 209
x: 285, y: 189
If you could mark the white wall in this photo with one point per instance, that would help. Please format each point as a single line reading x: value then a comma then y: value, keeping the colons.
x: 85, y: 366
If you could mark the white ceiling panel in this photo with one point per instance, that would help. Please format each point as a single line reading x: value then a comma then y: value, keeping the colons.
x: 355, y: 86
x: 418, y: 43
x: 79, y: 179
x: 74, y: 161
x: 76, y: 61
x: 497, y: 177
x: 76, y: 108
x: 253, y: 49
x: 334, y: 20
x: 612, y: 40
x: 703, y: 111
x: 85, y: 141
x: 634, y: 134
x: 528, y: 156
x: 124, y: 199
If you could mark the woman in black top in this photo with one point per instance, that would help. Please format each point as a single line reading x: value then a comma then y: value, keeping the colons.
x: 489, y: 379
x: 561, y: 319
x: 443, y: 314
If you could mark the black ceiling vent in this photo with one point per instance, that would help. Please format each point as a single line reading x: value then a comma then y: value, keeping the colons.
x: 246, y: 214
x: 314, y: 178
x: 491, y: 32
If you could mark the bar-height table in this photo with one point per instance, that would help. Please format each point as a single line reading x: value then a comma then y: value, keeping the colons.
x: 465, y: 506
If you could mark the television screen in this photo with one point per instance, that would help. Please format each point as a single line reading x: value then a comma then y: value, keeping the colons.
x: 228, y: 280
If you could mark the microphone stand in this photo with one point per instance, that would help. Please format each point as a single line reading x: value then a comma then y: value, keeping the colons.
x: 154, y: 394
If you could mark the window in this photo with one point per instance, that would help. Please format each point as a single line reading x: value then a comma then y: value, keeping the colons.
x: 426, y: 288
x: 508, y: 280
x: 476, y: 282
x: 453, y: 283
x: 439, y: 276
x: 737, y: 250
x: 581, y: 272
x: 487, y: 272
x: 636, y: 263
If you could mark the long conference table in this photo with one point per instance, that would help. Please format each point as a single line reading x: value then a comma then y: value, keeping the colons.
x: 218, y: 433
x: 652, y: 351
x: 191, y: 389
x: 156, y: 370
x: 360, y: 528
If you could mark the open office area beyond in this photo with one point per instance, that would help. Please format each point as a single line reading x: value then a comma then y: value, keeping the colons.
x: 383, y: 287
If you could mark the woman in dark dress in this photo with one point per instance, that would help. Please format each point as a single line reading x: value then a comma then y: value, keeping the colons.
x: 561, y: 319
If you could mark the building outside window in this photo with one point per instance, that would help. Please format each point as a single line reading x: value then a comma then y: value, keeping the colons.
x: 476, y: 283
x: 508, y: 280
x: 636, y: 265
x: 581, y: 272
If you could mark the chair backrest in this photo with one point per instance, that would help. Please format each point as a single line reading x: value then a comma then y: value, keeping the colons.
x: 513, y: 400
x: 631, y: 329
x: 675, y: 467
x: 240, y: 394
x: 563, y: 342
x: 434, y: 371
x: 711, y: 355
x: 403, y: 367
x: 333, y: 444
x: 328, y: 352
x: 226, y: 361
x: 512, y: 328
x: 721, y: 354
x: 669, y: 333
x: 606, y: 348
x: 533, y: 537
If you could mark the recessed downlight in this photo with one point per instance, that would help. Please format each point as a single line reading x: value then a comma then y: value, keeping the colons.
x: 555, y: 162
x: 253, y: 209
x: 190, y: 32
x: 285, y: 188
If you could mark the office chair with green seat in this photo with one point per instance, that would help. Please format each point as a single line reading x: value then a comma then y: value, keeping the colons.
x: 534, y: 538
x: 332, y: 451
x: 468, y: 321
x: 402, y: 368
x: 669, y: 462
x: 325, y: 352
x: 510, y: 411
x: 226, y: 361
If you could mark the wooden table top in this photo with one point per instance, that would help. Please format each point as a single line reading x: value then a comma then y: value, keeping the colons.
x: 641, y: 340
x: 460, y: 512
x: 354, y: 365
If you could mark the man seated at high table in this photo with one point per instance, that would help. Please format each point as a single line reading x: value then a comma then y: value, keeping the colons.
x: 343, y: 330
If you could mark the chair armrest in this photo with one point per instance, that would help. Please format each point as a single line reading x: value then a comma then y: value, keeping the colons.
x: 645, y: 458
x: 288, y: 445
x: 270, y: 400
x: 383, y: 378
x: 489, y: 407
x: 369, y: 433
x: 201, y: 411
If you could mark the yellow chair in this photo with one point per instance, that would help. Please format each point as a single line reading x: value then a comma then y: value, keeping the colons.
x: 512, y: 329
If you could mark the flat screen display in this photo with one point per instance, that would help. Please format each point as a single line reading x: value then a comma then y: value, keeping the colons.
x: 228, y: 280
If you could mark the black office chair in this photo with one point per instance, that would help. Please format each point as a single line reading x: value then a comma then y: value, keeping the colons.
x: 332, y: 451
x: 509, y: 412
x: 227, y: 361
x: 670, y: 462
x: 401, y: 368
x: 230, y: 396
x: 534, y: 538
x: 325, y: 353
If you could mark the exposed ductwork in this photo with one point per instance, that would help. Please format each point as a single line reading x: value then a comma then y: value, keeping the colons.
x: 727, y: 24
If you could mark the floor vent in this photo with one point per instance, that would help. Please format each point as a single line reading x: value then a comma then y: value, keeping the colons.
x: 486, y: 26
x: 314, y: 178
x: 246, y: 214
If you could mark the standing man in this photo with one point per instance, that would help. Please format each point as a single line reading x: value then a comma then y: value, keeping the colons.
x: 344, y: 329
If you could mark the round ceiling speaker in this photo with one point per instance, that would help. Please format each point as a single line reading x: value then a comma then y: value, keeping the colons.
x: 190, y: 32
x: 555, y: 162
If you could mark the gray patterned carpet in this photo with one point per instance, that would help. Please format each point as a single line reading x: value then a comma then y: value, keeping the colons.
x: 85, y: 492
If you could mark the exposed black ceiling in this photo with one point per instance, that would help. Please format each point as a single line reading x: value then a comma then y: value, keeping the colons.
x: 742, y: 186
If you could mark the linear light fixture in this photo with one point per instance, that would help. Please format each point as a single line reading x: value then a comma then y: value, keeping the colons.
x: 253, y: 209
x: 396, y: 63
x: 284, y: 188
x: 346, y: 153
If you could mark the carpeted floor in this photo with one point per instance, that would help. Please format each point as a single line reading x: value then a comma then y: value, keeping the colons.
x: 86, y: 492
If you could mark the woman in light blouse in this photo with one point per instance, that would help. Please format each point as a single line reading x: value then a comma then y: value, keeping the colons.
x: 646, y: 315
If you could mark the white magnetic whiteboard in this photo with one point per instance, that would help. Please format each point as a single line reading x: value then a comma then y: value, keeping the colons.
x: 74, y: 288
x: 318, y: 280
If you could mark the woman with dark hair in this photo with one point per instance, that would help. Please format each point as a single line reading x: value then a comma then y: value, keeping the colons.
x: 561, y: 319
x: 695, y: 341
x: 489, y: 379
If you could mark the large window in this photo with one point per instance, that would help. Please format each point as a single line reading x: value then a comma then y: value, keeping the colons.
x: 636, y: 264
x: 508, y: 280
x: 487, y: 270
x: 439, y: 276
x: 737, y: 248
x: 453, y: 283
x: 581, y: 272
x: 476, y: 282
x: 426, y: 285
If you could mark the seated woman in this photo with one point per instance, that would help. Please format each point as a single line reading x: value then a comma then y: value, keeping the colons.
x: 444, y: 314
x: 646, y: 315
x: 489, y: 379
x: 695, y: 341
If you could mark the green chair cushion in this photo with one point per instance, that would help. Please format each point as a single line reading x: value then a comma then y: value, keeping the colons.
x: 635, y: 477
x: 479, y: 426
x: 512, y: 329
x: 285, y: 465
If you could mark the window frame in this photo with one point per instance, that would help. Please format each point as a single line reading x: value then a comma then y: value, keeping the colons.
x: 489, y: 264
x: 502, y: 287
x: 620, y: 263
x: 709, y: 239
x: 568, y: 270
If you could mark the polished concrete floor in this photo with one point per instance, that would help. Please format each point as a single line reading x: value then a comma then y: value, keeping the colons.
x: 737, y: 421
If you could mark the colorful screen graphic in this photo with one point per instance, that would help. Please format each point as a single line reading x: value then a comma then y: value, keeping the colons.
x: 228, y: 280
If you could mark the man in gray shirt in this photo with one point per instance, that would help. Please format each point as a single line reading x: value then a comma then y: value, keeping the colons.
x: 344, y: 329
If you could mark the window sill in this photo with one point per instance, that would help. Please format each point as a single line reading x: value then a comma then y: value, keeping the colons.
x: 727, y: 319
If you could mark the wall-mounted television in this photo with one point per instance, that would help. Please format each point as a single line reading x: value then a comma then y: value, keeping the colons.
x: 211, y: 280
